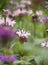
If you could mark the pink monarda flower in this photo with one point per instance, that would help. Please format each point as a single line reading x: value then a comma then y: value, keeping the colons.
x: 6, y: 12
x: 8, y: 21
x: 28, y: 2
x: 19, y: 12
x: 20, y: 5
x: 23, y: 12
x: 44, y: 44
x: 23, y: 36
x: 16, y: 12
x: 29, y: 12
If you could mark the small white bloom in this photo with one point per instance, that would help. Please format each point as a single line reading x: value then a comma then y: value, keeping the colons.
x: 23, y: 1
x: 29, y: 12
x: 6, y: 12
x: 27, y: 34
x: 18, y: 33
x: 1, y: 20
x: 10, y: 22
x: 47, y: 44
x: 23, y: 11
x: 39, y: 13
x: 47, y: 30
x: 16, y: 12
x: 23, y: 34
x: 22, y: 5
x: 26, y: 2
x: 43, y: 44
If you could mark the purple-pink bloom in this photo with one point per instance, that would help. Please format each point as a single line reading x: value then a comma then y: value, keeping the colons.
x: 7, y: 59
x: 7, y: 34
x: 12, y: 58
x: 6, y: 12
x: 45, y: 19
x: 3, y: 58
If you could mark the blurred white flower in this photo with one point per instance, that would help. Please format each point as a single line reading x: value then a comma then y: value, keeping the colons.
x: 43, y: 44
x: 23, y: 33
x: 10, y: 22
x: 16, y: 12
x: 47, y: 44
x: 39, y: 13
x: 1, y: 20
x: 29, y: 12
x: 20, y: 5
x: 18, y: 33
x: 26, y: 2
x: 19, y: 12
x: 23, y: 11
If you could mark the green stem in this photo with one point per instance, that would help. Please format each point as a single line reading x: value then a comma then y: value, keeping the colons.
x: 20, y: 48
x: 34, y: 29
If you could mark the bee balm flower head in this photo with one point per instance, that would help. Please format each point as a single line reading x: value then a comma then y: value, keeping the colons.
x: 23, y: 36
